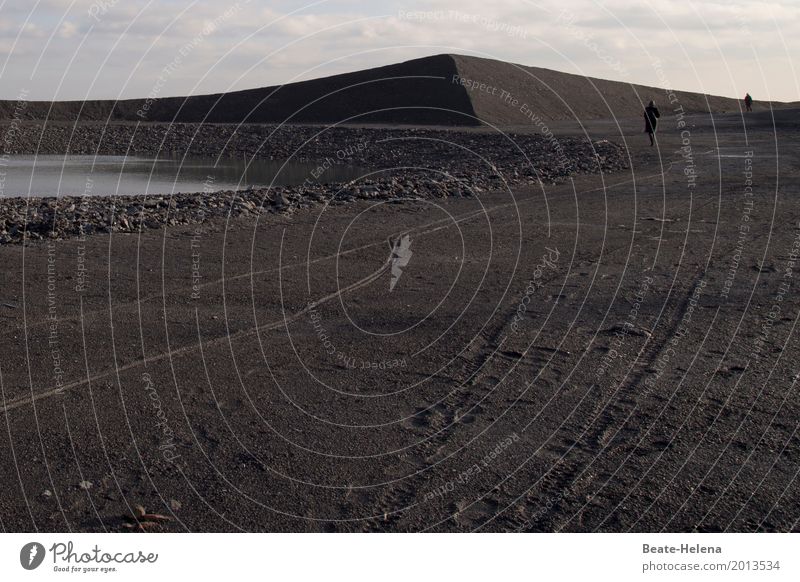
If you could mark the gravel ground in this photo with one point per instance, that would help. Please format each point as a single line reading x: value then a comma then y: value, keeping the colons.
x: 606, y: 354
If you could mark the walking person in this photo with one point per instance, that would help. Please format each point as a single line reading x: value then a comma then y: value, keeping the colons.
x: 651, y: 116
x: 748, y: 102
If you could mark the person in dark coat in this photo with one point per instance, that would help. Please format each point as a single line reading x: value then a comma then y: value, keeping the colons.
x: 748, y: 102
x: 651, y: 116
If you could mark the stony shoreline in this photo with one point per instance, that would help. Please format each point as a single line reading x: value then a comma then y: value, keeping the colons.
x: 409, y: 163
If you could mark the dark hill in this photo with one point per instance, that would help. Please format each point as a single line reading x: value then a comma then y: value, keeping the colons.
x: 553, y: 95
x: 436, y: 90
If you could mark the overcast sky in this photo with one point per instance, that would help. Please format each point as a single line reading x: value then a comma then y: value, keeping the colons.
x: 77, y: 49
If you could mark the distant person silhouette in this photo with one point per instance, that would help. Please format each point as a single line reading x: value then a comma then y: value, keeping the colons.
x: 748, y: 102
x: 651, y: 116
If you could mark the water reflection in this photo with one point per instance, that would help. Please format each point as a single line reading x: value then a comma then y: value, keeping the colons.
x: 121, y: 175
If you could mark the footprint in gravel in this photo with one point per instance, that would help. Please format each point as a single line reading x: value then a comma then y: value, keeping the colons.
x: 614, y: 437
x: 421, y: 418
x: 434, y: 417
x: 471, y: 515
x: 468, y: 416
x: 439, y: 454
x: 390, y: 507
x: 660, y: 444
x: 414, y: 461
x: 405, y: 467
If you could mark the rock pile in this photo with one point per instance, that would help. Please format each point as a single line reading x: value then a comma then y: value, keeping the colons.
x: 408, y: 163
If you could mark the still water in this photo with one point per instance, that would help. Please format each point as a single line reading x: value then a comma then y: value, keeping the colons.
x: 126, y: 175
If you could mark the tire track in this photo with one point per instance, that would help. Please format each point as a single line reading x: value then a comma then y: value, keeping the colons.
x: 554, y: 486
x: 612, y: 415
x: 444, y: 416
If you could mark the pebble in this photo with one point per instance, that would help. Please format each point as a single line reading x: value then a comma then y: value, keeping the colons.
x: 409, y: 163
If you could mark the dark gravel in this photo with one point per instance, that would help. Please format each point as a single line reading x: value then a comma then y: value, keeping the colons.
x: 406, y: 164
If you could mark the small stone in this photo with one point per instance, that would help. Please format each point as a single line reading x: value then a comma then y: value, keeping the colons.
x: 85, y: 485
x: 47, y: 493
x: 175, y: 505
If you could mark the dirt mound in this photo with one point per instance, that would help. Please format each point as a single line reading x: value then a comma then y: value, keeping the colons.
x: 514, y: 94
x: 436, y: 90
x: 413, y: 92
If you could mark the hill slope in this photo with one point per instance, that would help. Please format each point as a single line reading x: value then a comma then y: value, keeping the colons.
x: 436, y: 90
x: 553, y: 95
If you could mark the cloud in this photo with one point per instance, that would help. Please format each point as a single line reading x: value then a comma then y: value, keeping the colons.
x: 68, y: 29
x: 703, y: 45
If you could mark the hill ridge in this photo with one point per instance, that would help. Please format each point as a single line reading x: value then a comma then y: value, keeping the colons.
x: 443, y: 89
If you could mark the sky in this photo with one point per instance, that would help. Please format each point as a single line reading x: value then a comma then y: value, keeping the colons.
x: 112, y: 49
